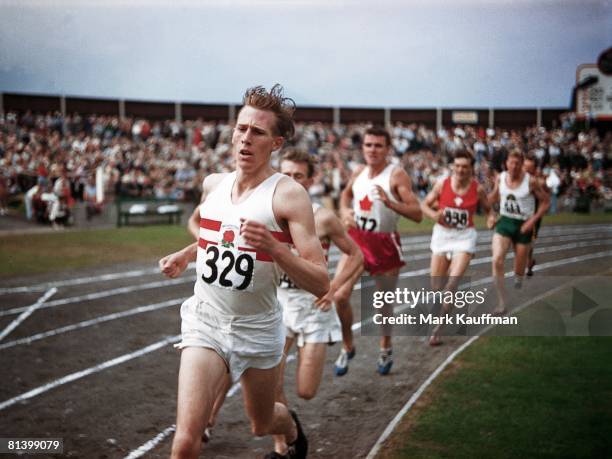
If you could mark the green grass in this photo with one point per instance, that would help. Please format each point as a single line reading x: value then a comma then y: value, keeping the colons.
x: 410, y: 227
x: 40, y: 253
x: 512, y: 397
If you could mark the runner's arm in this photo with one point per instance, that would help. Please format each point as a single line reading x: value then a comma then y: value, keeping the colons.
x: 401, y: 186
x: 347, y: 214
x: 174, y: 264
x: 291, y: 204
x: 339, y: 236
x: 210, y: 182
x: 430, y: 200
x: 543, y: 197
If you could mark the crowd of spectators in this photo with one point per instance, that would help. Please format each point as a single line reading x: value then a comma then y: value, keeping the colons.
x: 169, y: 159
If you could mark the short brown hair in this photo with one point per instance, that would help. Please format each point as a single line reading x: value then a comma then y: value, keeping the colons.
x: 297, y: 155
x: 275, y: 102
x: 463, y: 153
x: 516, y: 153
x: 378, y: 131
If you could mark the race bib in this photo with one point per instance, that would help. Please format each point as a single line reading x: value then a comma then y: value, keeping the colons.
x: 455, y: 218
x: 227, y: 268
x: 286, y: 282
x: 366, y: 223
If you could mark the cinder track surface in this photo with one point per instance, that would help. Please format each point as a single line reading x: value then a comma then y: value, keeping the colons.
x: 96, y: 371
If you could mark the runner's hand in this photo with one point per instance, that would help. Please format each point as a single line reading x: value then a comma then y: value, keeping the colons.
x: 325, y: 302
x: 491, y: 219
x: 257, y: 235
x: 527, y: 227
x: 348, y: 218
x: 382, y: 195
x: 174, y: 264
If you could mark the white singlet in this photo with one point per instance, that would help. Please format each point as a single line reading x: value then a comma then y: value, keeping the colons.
x: 370, y: 212
x: 301, y: 317
x: 517, y: 203
x: 232, y: 277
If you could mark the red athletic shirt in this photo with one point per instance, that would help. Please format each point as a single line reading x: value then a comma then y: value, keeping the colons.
x: 458, y: 210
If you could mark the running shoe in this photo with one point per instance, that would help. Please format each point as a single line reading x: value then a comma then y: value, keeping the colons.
x: 530, y: 268
x: 206, y: 435
x: 275, y: 455
x: 385, y: 362
x: 341, y: 365
x: 299, y: 448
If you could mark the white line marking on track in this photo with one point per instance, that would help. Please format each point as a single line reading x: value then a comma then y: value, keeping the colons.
x: 545, y: 231
x: 436, y: 372
x: 413, y: 399
x: 95, y: 321
x: 153, y: 307
x: 148, y: 446
x: 187, y: 279
x: 85, y: 280
x: 88, y: 371
x: 104, y: 294
x: 28, y: 311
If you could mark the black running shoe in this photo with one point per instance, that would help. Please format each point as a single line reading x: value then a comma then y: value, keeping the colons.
x: 530, y: 268
x: 299, y: 448
x: 275, y: 455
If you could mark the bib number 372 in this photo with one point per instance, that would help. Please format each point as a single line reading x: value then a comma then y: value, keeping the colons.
x: 228, y: 269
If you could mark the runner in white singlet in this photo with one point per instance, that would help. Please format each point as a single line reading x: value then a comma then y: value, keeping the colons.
x: 233, y: 323
x: 516, y: 191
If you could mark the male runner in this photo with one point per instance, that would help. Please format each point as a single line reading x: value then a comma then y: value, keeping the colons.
x: 379, y: 193
x: 452, y: 204
x: 311, y: 322
x: 516, y: 190
x: 529, y: 166
x: 233, y: 323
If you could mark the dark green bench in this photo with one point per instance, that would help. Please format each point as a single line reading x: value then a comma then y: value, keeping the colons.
x: 147, y: 211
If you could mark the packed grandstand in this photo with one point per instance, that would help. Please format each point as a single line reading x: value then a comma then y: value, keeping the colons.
x: 168, y: 159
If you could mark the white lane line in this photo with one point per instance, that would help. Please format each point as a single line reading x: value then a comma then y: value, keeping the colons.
x: 545, y: 231
x: 85, y: 280
x: 88, y: 371
x: 26, y: 313
x: 358, y: 286
x: 148, y: 446
x: 95, y: 321
x: 489, y: 279
x: 187, y: 279
x: 484, y: 242
x: 413, y: 399
x: 160, y: 437
x: 104, y: 294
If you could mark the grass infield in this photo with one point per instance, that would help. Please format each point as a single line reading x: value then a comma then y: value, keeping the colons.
x: 509, y: 397
x: 57, y: 251
x: 73, y: 249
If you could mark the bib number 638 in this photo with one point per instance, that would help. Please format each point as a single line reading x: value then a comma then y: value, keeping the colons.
x: 228, y: 269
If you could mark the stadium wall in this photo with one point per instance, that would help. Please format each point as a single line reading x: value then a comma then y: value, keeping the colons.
x: 507, y: 118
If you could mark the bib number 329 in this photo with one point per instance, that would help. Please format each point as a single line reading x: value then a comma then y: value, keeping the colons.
x: 228, y: 269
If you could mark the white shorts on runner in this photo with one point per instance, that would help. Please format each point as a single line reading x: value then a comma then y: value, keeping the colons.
x: 255, y: 341
x: 449, y: 241
x: 304, y: 321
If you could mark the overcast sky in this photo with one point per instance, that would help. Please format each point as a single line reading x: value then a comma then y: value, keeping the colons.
x: 383, y: 53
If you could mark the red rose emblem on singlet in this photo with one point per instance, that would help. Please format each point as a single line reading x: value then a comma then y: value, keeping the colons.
x: 365, y: 204
x: 228, y: 238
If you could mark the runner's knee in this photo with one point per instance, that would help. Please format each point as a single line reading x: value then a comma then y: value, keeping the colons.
x: 260, y: 428
x: 185, y: 445
x: 342, y: 298
x: 307, y: 393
